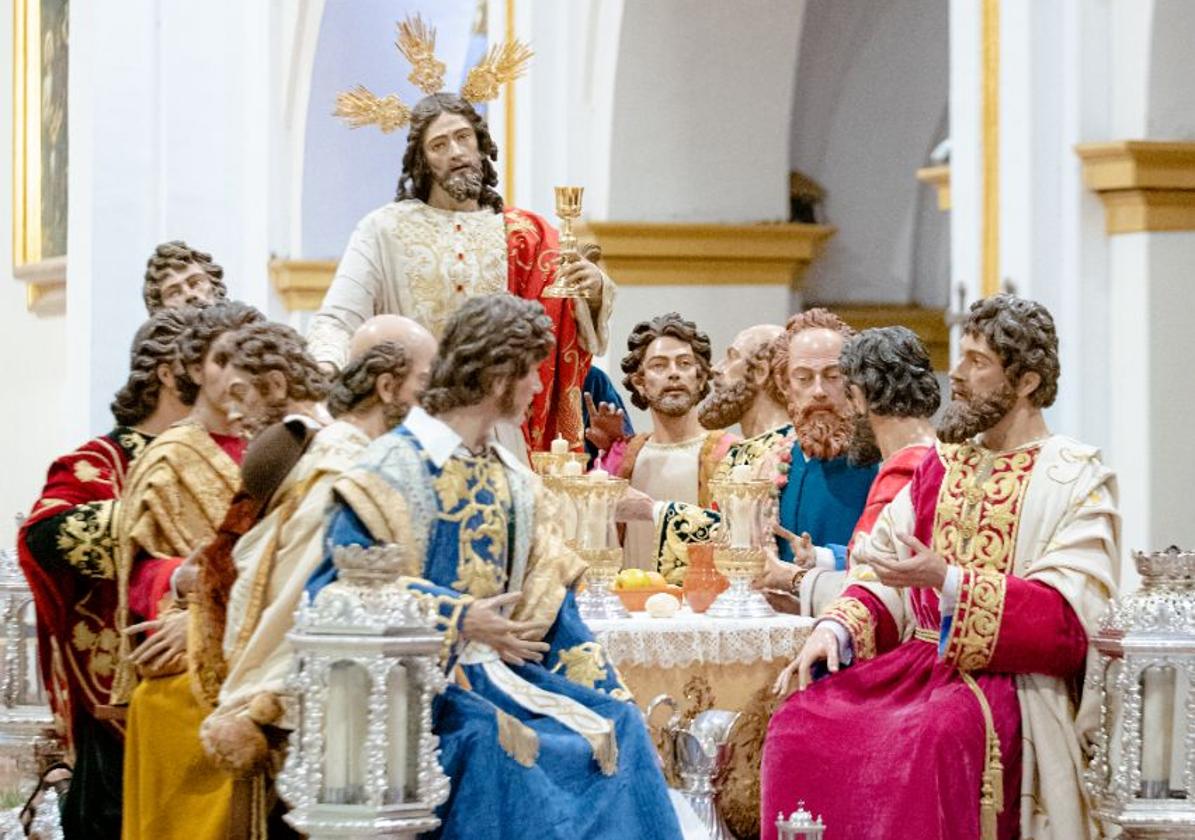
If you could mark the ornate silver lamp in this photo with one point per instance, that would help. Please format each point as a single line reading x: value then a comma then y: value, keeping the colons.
x: 799, y: 825
x: 363, y: 760
x: 1142, y: 774
x: 28, y: 742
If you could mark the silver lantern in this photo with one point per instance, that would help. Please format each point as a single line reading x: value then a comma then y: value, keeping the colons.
x: 799, y: 825
x: 1142, y: 774
x: 363, y: 760
x: 28, y: 742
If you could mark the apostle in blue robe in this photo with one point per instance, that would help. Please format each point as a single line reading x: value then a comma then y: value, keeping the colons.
x: 536, y: 730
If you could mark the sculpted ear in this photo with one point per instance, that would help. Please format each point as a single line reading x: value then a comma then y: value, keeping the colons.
x: 276, y: 384
x: 1030, y: 381
x: 386, y: 388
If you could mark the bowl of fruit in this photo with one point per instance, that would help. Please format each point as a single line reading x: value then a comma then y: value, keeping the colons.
x: 635, y: 586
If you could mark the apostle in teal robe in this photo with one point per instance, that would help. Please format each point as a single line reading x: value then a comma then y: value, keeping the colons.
x: 536, y: 730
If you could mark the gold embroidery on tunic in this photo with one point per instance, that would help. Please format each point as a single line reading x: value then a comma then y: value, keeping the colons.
x: 482, y: 524
x: 86, y: 471
x: 450, y: 257
x: 583, y: 664
x: 975, y: 527
x: 976, y: 629
x: 854, y: 615
x: 86, y: 541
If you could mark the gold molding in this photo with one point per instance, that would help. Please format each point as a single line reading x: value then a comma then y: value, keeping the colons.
x: 302, y: 283
x: 937, y: 177
x: 929, y: 324
x: 1145, y: 185
x: 638, y: 254
x: 702, y: 254
x: 991, y: 148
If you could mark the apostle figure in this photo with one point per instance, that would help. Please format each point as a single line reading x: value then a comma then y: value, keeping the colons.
x: 820, y: 493
x: 66, y: 549
x: 179, y: 275
x: 993, y: 565
x: 745, y: 392
x: 447, y: 237
x: 175, y: 497
x: 275, y: 556
x: 893, y: 394
x: 667, y: 369
x: 536, y: 730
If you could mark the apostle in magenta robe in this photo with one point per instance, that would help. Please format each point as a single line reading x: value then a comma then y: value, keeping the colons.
x: 965, y: 627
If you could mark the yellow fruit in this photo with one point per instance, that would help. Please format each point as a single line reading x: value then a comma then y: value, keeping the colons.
x: 633, y: 579
x: 656, y: 579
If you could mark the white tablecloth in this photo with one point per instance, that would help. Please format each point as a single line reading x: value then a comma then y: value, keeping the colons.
x: 690, y: 638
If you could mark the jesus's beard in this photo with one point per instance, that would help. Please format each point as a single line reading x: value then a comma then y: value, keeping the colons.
x: 726, y: 404
x: 967, y: 417
x: 823, y: 430
x: 462, y: 184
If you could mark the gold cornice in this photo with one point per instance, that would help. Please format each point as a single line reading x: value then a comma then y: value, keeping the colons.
x: 1144, y: 185
x: 302, y: 283
x: 929, y: 324
x: 703, y: 254
x: 638, y: 254
x: 939, y: 178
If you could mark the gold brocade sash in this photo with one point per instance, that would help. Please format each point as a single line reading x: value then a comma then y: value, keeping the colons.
x: 991, y: 800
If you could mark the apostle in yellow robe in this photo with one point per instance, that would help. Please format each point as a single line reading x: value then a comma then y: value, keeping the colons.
x: 175, y: 499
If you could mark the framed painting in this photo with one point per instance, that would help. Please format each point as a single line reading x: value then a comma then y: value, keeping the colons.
x: 40, y: 153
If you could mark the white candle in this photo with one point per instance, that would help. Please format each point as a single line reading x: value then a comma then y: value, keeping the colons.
x: 559, y: 446
x: 739, y: 522
x: 1157, y: 722
x: 572, y: 469
x: 596, y: 519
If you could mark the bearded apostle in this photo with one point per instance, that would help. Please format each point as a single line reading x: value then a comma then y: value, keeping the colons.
x: 667, y: 369
x: 893, y: 393
x: 66, y: 549
x: 820, y: 493
x: 447, y: 237
x: 175, y: 497
x: 536, y: 730
x: 744, y: 392
x: 178, y: 275
x: 993, y: 565
x: 274, y: 558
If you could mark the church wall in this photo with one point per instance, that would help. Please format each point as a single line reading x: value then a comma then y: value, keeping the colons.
x: 869, y: 106
x: 31, y: 377
x: 702, y: 99
x: 347, y: 173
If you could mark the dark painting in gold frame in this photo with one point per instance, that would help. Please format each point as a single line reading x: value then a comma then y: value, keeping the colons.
x: 40, y: 151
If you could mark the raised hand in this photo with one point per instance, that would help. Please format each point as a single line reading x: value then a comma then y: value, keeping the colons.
x: 605, y: 424
x: 514, y: 641
x: 585, y: 276
x: 802, y: 546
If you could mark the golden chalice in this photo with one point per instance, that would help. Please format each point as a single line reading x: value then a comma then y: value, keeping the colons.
x: 568, y: 209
